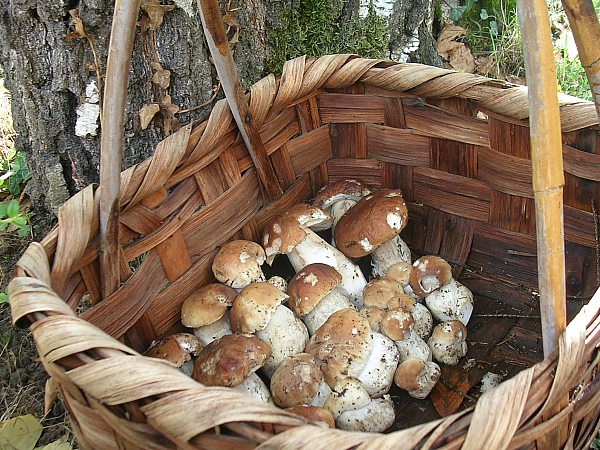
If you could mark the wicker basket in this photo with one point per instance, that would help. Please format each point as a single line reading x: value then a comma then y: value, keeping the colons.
x: 458, y: 147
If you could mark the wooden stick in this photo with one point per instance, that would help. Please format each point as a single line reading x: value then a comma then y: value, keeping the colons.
x: 221, y: 54
x: 111, y: 141
x: 586, y: 32
x: 548, y: 181
x: 547, y: 167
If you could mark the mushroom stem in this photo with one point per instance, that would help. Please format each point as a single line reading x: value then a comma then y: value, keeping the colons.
x: 389, y: 253
x: 378, y: 373
x: 255, y: 387
x: 332, y: 302
x: 314, y: 249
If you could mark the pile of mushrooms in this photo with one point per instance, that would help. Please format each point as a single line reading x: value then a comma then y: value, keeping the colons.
x: 329, y: 341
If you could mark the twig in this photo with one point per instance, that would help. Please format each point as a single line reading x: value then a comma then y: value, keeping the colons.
x: 208, y: 102
x: 453, y: 389
x: 595, y: 213
x: 508, y: 316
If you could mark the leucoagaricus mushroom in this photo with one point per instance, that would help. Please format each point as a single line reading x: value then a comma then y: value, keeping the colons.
x: 339, y: 196
x: 238, y: 263
x: 232, y: 361
x: 206, y: 311
x: 370, y: 226
x: 299, y: 381
x: 313, y: 295
x: 284, y: 235
x: 448, y: 342
x: 258, y: 309
x: 417, y: 377
x: 452, y: 301
x: 176, y: 349
x: 429, y: 273
x: 398, y: 325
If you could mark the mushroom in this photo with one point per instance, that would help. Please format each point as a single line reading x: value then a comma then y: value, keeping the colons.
x: 316, y: 414
x: 338, y: 197
x: 398, y: 325
x: 391, y: 252
x: 448, y: 342
x: 238, y: 263
x: 177, y: 350
x: 258, y: 309
x: 429, y: 273
x: 206, y: 311
x: 489, y: 381
x: 423, y: 324
x: 378, y: 374
x: 309, y: 216
x: 303, y: 247
x: 341, y: 346
x: 416, y: 376
x: 347, y: 393
x: 313, y: 295
x: 379, y: 291
x: 278, y: 282
x: 452, y: 301
x: 374, y: 315
x: 377, y: 416
x: 230, y: 361
x: 370, y: 226
x: 299, y: 381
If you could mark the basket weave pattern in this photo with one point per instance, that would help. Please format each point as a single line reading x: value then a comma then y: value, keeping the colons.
x: 458, y: 148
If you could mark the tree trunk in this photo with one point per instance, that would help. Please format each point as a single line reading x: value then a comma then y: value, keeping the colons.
x: 54, y: 55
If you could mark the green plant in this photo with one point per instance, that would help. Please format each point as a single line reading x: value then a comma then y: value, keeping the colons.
x: 315, y: 28
x: 14, y: 172
x: 10, y: 214
x: 4, y: 297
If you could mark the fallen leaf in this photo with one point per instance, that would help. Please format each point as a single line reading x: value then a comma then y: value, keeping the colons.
x: 77, y: 23
x: 162, y: 78
x: 456, y: 54
x: 155, y: 12
x: 50, y: 394
x: 229, y: 18
x: 20, y: 433
x: 449, y: 392
x: 59, y: 444
x: 147, y: 113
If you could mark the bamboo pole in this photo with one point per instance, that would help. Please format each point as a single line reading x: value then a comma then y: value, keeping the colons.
x: 547, y: 167
x: 218, y: 44
x: 586, y: 32
x: 548, y: 181
x: 111, y: 141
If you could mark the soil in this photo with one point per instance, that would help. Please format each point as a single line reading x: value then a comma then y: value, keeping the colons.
x: 22, y: 376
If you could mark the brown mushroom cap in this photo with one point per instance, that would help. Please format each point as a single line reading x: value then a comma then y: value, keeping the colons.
x: 374, y: 315
x: 310, y: 285
x: 207, y: 305
x: 309, y: 216
x: 314, y: 414
x: 176, y: 348
x: 400, y: 272
x: 396, y: 322
x: 253, y: 307
x: 340, y: 190
x: 380, y: 291
x: 229, y: 360
x: 429, y: 273
x: 374, y: 219
x: 448, y: 342
x: 281, y: 235
x: 238, y: 263
x: 341, y: 345
x: 296, y: 381
x: 407, y: 374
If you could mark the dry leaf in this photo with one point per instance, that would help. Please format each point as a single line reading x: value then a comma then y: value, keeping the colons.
x: 20, y: 433
x: 78, y: 24
x: 147, y: 113
x: 229, y: 18
x: 449, y: 392
x: 155, y: 12
x: 456, y: 54
x: 50, y: 394
x: 162, y: 78
x: 59, y: 444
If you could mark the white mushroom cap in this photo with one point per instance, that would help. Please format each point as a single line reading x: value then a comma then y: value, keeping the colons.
x: 377, y: 416
x: 417, y: 377
x: 452, y: 301
x: 348, y: 393
x: 238, y: 263
x: 429, y: 273
x: 255, y: 387
x: 448, y: 342
x: 378, y: 373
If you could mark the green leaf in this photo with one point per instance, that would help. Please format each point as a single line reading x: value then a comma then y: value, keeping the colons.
x: 20, y: 433
x: 494, y: 27
x: 60, y: 444
x: 12, y: 210
x: 3, y: 298
x: 3, y: 208
x: 456, y: 13
x: 483, y: 14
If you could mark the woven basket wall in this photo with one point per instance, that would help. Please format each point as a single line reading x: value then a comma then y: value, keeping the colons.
x: 457, y: 145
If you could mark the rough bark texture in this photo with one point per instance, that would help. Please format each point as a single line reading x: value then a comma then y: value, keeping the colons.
x: 48, y: 70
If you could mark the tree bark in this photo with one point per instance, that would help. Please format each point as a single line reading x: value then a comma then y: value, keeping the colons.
x: 53, y: 53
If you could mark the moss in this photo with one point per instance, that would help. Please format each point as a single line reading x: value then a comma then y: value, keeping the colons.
x: 321, y: 27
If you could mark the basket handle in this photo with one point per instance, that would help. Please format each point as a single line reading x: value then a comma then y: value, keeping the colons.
x: 218, y: 44
x: 111, y: 141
